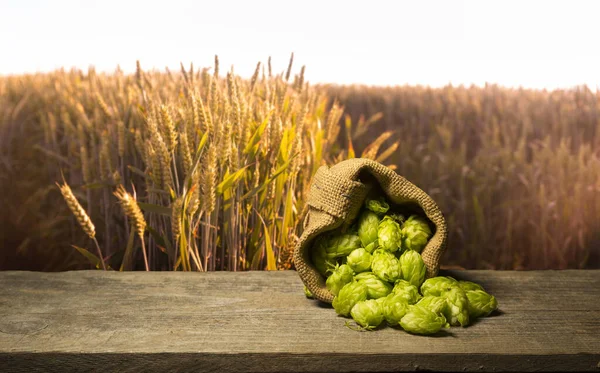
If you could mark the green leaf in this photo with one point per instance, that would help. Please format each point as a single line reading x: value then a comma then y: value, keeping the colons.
x: 201, y: 144
x: 98, y: 185
x: 231, y: 179
x: 252, y: 145
x: 53, y: 155
x: 161, y: 210
x: 271, y: 262
x: 159, y: 191
x: 277, y: 172
x: 287, y: 140
x: 93, y: 259
x: 136, y: 170
x: 127, y: 263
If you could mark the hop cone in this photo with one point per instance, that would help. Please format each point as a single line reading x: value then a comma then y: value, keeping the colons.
x: 367, y: 313
x: 457, y: 307
x: 348, y: 296
x: 481, y: 303
x: 341, y: 245
x: 415, y: 233
x: 341, y: 276
x: 375, y: 287
x: 319, y: 259
x: 395, y: 307
x: 407, y: 290
x: 436, y: 286
x: 435, y: 304
x: 379, y: 206
x: 385, y: 265
x: 359, y: 260
x: 468, y: 286
x: 420, y: 320
x: 389, y: 235
x: 368, y: 222
x: 307, y: 292
x: 412, y: 268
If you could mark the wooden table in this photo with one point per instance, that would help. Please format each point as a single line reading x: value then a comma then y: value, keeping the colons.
x: 261, y: 321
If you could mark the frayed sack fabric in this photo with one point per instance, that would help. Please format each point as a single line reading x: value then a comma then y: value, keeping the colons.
x: 335, y: 198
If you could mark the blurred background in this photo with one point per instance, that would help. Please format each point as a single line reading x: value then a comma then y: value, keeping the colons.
x: 491, y: 107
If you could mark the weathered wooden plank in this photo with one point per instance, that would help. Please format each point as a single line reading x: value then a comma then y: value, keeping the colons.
x: 261, y: 321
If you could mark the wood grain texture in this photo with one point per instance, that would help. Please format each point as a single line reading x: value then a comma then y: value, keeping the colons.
x: 261, y: 321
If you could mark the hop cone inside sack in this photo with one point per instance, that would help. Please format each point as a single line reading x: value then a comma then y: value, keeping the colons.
x: 359, y: 260
x: 385, y: 265
x: 339, y: 278
x: 415, y: 233
x: 389, y: 235
x: 368, y: 223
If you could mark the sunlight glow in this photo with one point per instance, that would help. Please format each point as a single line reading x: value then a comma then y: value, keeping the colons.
x: 537, y: 44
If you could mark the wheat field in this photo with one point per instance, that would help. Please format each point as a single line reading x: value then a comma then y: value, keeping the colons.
x: 200, y: 169
x: 193, y: 170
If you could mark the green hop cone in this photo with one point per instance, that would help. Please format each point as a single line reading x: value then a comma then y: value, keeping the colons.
x: 436, y: 286
x: 368, y: 223
x: 412, y: 267
x: 481, y: 303
x: 341, y: 245
x: 395, y: 307
x: 359, y: 260
x: 415, y: 233
x: 435, y: 304
x: 468, y: 286
x: 341, y: 276
x: 379, y: 206
x: 385, y: 265
x: 367, y: 313
x: 371, y: 247
x: 420, y: 320
x: 319, y: 259
x: 389, y: 236
x: 352, y: 293
x: 407, y: 290
x: 457, y: 307
x: 307, y: 292
x: 328, y: 248
x: 376, y: 288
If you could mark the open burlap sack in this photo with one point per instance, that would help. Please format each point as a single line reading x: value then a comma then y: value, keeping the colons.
x: 335, y: 199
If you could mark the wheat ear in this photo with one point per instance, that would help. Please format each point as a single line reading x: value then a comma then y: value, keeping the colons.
x: 82, y: 217
x: 135, y: 215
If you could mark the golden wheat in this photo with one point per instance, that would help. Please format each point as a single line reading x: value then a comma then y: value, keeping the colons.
x: 82, y: 218
x: 132, y: 210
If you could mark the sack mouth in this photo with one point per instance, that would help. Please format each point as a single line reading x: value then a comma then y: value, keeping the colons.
x: 404, y: 207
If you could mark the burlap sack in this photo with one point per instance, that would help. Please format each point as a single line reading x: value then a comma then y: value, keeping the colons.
x: 335, y: 198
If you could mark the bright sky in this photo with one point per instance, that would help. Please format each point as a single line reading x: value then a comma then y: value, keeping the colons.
x: 538, y: 44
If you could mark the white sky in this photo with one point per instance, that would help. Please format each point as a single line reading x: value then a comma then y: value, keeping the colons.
x: 538, y: 44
